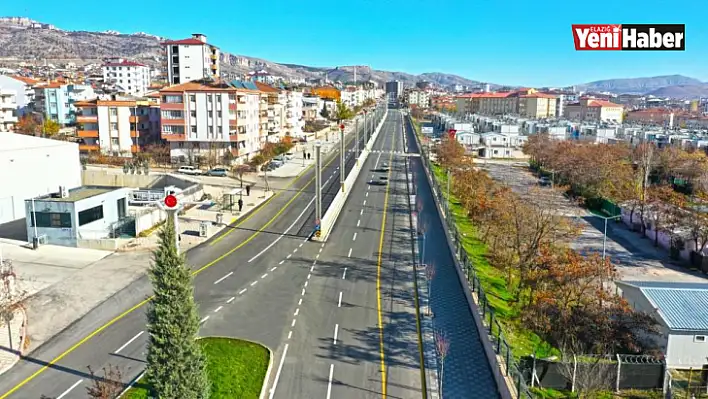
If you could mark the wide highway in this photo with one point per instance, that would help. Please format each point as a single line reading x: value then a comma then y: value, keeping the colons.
x: 241, y: 271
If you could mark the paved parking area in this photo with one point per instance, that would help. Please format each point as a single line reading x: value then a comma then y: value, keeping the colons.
x: 636, y: 257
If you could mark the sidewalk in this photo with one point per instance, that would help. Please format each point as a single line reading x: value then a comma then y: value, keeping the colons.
x: 61, y: 282
x: 9, y: 355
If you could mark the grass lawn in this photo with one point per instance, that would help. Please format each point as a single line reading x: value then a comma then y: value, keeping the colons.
x: 236, y: 369
x: 522, y: 341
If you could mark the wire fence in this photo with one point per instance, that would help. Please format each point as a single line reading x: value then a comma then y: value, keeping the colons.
x: 495, y: 332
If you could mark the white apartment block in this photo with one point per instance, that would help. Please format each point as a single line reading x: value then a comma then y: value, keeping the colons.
x: 191, y: 59
x: 589, y: 109
x: 294, y: 121
x: 419, y: 98
x: 128, y: 77
x: 208, y: 119
x: 117, y: 126
x: 8, y: 110
x: 24, y: 89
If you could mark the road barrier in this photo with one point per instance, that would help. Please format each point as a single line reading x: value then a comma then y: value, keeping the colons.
x: 330, y: 217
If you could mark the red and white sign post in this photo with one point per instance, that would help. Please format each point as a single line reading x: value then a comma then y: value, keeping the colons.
x: 172, y: 206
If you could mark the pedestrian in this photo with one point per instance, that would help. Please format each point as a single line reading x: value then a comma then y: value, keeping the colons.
x: 308, y: 156
x: 240, y: 204
x: 248, y: 191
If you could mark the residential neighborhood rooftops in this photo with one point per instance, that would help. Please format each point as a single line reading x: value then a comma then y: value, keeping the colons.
x: 265, y: 88
x: 681, y: 305
x: 124, y: 63
x: 199, y: 85
x: 25, y: 80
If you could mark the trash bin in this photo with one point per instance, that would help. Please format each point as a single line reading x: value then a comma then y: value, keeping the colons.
x: 219, y: 218
x: 35, y: 242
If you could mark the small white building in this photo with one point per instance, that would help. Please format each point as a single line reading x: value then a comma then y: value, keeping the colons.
x: 24, y: 91
x: 72, y: 217
x: 31, y: 167
x: 129, y: 77
x: 681, y: 310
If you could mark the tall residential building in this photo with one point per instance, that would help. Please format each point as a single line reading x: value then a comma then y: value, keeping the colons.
x: 8, y: 110
x: 272, y: 115
x: 208, y: 118
x: 394, y: 89
x: 128, y: 77
x: 119, y: 126
x: 56, y: 100
x: 420, y: 98
x: 191, y: 59
x: 294, y: 121
x: 24, y: 90
x: 537, y: 106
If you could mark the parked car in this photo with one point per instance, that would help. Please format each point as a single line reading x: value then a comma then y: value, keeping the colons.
x: 544, y: 181
x: 278, y: 163
x: 217, y: 172
x: 189, y: 170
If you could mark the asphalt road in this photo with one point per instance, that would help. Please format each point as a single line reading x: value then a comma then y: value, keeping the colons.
x: 354, y: 314
x: 242, y: 269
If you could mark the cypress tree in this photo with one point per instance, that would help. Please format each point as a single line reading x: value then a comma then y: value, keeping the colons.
x: 176, y: 366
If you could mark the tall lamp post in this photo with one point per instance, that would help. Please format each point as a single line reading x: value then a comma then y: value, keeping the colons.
x: 342, y: 158
x: 604, y: 236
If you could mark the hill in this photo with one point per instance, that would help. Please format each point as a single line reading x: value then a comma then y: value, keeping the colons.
x: 649, y: 85
x: 22, y: 39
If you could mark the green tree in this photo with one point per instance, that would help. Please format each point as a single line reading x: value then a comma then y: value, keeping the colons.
x: 176, y: 366
x: 342, y: 112
x: 50, y: 127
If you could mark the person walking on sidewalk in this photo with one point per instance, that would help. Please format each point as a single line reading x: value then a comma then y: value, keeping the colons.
x: 240, y: 204
x: 248, y: 191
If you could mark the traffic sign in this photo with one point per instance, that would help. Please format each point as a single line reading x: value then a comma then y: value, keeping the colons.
x: 341, y: 126
x: 170, y: 201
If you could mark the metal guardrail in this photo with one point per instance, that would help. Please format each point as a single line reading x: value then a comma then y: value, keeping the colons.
x: 494, y: 329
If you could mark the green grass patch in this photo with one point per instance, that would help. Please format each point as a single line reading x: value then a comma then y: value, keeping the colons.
x: 148, y: 232
x: 236, y: 369
x: 522, y: 341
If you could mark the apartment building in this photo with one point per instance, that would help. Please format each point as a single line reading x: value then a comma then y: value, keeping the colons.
x: 418, y: 98
x: 312, y: 107
x: 119, y: 126
x: 191, y: 59
x: 127, y: 76
x: 8, y: 110
x: 394, y: 89
x: 208, y: 118
x: 488, y: 103
x: 537, y: 106
x: 294, y: 121
x: 56, y: 100
x: 590, y: 109
x: 24, y: 91
x: 272, y: 115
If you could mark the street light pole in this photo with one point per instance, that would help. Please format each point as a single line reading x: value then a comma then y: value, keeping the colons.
x: 449, y: 175
x: 318, y: 181
x: 604, y: 237
x: 356, y: 140
x: 366, y: 128
x: 342, y: 155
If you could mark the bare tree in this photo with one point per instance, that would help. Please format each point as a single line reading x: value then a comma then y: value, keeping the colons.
x: 429, y: 275
x: 587, y: 374
x: 442, y: 345
x: 109, y: 386
x: 12, y: 296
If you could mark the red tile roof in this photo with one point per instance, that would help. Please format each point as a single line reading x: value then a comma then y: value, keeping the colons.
x: 25, y: 80
x: 124, y: 63
x: 602, y: 103
x: 537, y: 95
x: 186, y: 42
x: 265, y: 88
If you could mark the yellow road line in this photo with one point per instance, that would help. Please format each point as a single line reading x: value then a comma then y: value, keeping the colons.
x: 139, y: 305
x: 378, y: 274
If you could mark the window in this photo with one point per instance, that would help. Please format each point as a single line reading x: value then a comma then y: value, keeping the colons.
x: 51, y: 219
x: 192, y: 97
x: 193, y: 114
x: 175, y: 49
x: 114, y: 141
x: 218, y: 114
x: 90, y: 215
x: 194, y: 129
x: 172, y: 114
x: 210, y: 129
x: 114, y: 126
x: 699, y: 338
x: 113, y: 111
x: 172, y: 99
x: 219, y: 130
x: 209, y: 99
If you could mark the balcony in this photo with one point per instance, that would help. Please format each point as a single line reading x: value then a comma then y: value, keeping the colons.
x: 87, y: 134
x: 89, y: 147
x: 233, y: 122
x: 173, y: 122
x: 214, y: 57
x: 173, y: 136
x: 138, y: 119
x: 232, y: 107
x: 172, y: 106
x: 87, y: 119
x: 134, y: 148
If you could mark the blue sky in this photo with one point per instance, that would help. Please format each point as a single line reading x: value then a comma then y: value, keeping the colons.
x: 518, y: 42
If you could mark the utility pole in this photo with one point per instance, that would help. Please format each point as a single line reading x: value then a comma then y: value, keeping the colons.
x: 356, y: 140
x: 449, y: 177
x: 366, y: 128
x: 318, y: 181
x: 342, y: 155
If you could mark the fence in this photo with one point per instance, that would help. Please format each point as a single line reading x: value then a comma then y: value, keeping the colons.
x: 502, y: 349
x: 615, y: 373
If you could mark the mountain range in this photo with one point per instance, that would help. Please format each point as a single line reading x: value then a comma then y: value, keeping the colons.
x: 22, y: 39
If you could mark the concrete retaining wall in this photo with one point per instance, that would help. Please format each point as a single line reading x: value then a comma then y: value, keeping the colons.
x: 120, y: 179
x: 330, y: 217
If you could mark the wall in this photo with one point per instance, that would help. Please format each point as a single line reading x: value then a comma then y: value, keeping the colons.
x: 101, y: 228
x: 55, y: 235
x: 20, y: 88
x: 36, y: 170
x: 102, y: 178
x: 684, y: 352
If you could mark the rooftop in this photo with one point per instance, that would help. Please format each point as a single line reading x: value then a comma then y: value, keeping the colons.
x: 682, y: 306
x: 125, y: 64
x: 78, y: 194
x: 185, y: 42
x: 15, y: 141
x: 199, y: 85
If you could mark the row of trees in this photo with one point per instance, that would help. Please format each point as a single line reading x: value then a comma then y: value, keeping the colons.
x: 35, y: 126
x: 662, y: 188
x: 553, y: 289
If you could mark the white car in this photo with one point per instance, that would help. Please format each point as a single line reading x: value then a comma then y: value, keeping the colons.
x: 189, y: 170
